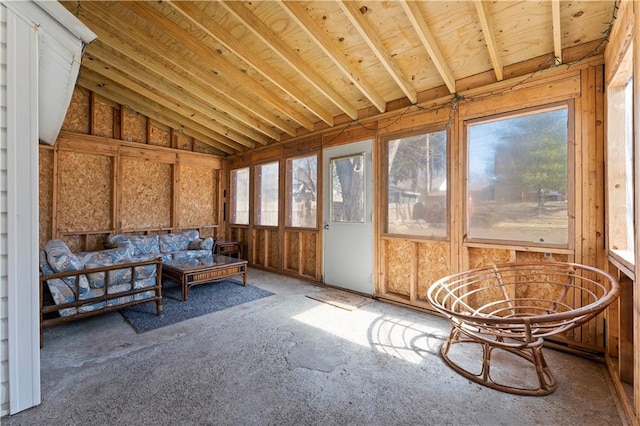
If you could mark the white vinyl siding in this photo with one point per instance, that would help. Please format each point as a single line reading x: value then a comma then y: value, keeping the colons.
x: 4, y: 343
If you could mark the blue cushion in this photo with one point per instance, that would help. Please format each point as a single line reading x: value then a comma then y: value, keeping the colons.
x: 176, y: 242
x: 141, y: 244
x: 61, y: 259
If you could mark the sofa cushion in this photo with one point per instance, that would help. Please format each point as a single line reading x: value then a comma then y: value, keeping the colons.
x: 61, y: 259
x: 200, y: 244
x: 141, y: 244
x: 112, y: 277
x: 190, y: 254
x: 102, y: 258
x: 108, y: 256
x: 175, y: 242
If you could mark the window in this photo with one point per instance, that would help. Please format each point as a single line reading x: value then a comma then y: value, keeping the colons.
x: 417, y: 185
x: 347, y: 189
x: 240, y: 196
x: 620, y: 163
x: 302, y: 179
x: 267, y: 194
x: 517, y: 178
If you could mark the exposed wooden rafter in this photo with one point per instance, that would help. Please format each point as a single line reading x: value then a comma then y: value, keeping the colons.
x: 557, y: 34
x: 422, y: 31
x: 368, y: 33
x: 304, y: 21
x: 489, y: 37
x: 271, y: 40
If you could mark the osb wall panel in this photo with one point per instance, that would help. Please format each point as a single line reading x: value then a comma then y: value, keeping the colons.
x: 159, y: 135
x: 433, y: 264
x: 102, y: 118
x: 398, y: 257
x: 45, y: 201
x: 77, y: 118
x: 184, y: 142
x: 310, y: 244
x: 479, y: 257
x: 134, y: 126
x: 84, y: 192
x: 274, y: 249
x: 198, y: 190
x: 146, y: 194
x: 293, y: 250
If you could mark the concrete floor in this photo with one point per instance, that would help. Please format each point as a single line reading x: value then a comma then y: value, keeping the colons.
x: 290, y: 360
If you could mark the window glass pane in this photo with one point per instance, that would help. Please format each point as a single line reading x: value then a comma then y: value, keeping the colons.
x: 302, y: 175
x: 518, y: 178
x: 417, y: 185
x: 347, y: 189
x: 267, y: 196
x: 240, y: 196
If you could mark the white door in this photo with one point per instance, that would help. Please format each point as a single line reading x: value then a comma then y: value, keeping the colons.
x: 348, y: 217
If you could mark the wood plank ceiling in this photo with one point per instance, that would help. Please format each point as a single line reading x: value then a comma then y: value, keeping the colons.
x: 240, y: 75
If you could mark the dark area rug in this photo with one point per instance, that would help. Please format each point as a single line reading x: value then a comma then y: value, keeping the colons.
x: 203, y: 299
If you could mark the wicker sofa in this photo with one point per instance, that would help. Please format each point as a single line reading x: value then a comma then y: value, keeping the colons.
x: 86, y: 284
x: 127, y: 272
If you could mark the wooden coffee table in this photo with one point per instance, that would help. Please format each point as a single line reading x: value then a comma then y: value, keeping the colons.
x: 201, y: 270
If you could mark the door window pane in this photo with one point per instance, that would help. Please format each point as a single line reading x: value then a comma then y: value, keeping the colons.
x: 517, y: 174
x: 417, y: 185
x: 347, y: 189
x: 240, y: 196
x: 302, y: 178
x: 267, y: 194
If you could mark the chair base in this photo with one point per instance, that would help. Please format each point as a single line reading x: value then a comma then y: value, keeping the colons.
x: 531, y: 352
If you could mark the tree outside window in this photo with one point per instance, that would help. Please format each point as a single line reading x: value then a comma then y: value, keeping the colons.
x: 517, y: 174
x: 302, y: 178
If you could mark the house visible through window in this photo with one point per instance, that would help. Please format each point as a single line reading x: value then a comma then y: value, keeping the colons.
x: 518, y: 177
x: 267, y: 194
x: 302, y: 178
x: 417, y: 185
x: 240, y: 196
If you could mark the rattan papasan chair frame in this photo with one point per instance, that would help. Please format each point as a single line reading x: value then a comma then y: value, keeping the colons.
x: 513, y: 307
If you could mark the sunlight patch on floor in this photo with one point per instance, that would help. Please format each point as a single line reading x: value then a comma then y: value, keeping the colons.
x: 391, y: 335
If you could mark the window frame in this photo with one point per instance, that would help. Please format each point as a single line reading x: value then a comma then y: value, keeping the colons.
x: 384, y: 193
x: 617, y: 227
x: 570, y: 196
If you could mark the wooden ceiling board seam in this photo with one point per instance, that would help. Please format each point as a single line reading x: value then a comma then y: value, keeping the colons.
x: 138, y: 105
x: 178, y: 61
x: 375, y: 44
x: 171, y: 103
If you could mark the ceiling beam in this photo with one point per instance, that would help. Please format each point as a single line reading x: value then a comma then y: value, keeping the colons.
x: 367, y: 32
x: 171, y: 82
x: 429, y: 42
x: 171, y: 103
x: 269, y: 38
x: 557, y: 34
x: 307, y: 24
x: 149, y: 108
x: 103, y: 15
x: 236, y: 47
x: 218, y: 62
x: 183, y: 100
x: 489, y: 37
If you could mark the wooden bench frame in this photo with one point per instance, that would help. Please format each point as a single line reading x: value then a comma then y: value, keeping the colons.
x: 77, y: 303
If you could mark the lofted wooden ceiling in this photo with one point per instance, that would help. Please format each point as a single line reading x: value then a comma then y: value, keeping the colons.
x: 240, y: 75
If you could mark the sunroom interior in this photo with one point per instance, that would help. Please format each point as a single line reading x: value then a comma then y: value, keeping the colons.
x: 370, y: 146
